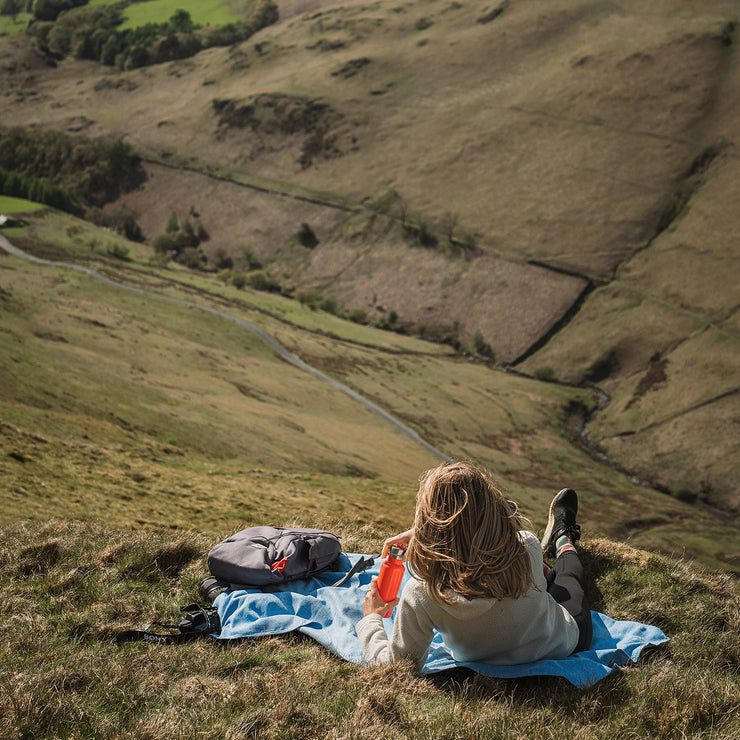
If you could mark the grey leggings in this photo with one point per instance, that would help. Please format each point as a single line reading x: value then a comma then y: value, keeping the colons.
x: 567, y: 587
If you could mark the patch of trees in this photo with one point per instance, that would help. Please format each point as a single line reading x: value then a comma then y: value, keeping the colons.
x: 181, y: 241
x: 95, y: 33
x: 67, y: 171
x: 43, y: 10
x: 37, y: 189
x: 49, y: 10
x: 245, y: 270
x: 12, y: 7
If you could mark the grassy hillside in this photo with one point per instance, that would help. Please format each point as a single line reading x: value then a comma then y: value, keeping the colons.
x: 69, y: 587
x: 136, y: 431
x: 554, y: 177
x: 149, y: 410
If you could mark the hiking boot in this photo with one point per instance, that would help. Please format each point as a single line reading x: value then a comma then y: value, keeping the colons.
x: 561, y: 521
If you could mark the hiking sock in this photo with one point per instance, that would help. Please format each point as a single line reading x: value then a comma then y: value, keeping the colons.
x: 564, y: 545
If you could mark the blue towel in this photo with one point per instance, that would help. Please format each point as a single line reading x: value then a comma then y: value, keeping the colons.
x: 329, y: 615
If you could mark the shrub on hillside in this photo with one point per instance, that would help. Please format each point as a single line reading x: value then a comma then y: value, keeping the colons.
x: 480, y: 346
x: 260, y: 280
x: 255, y: 279
x: 185, y: 236
x: 73, y: 230
x: 192, y: 257
x: 437, y: 333
x: 121, y: 221
x: 163, y: 243
x: 331, y: 305
x: 308, y: 296
x: 544, y: 373
x: 49, y: 10
x: 227, y: 35
x: 247, y: 260
x: 200, y: 231
x: 172, y: 224
x: 159, y: 260
x: 305, y: 236
x: 264, y: 13
x: 313, y: 298
x: 11, y: 8
x: 118, y: 251
x: 222, y: 260
x: 357, y: 315
x: 180, y: 241
x: 420, y: 233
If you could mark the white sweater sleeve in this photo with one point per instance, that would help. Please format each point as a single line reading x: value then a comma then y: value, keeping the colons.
x: 413, y: 632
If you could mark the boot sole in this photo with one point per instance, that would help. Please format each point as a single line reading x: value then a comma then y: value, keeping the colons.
x: 545, y: 541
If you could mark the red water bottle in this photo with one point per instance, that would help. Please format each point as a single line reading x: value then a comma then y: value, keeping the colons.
x: 391, y: 575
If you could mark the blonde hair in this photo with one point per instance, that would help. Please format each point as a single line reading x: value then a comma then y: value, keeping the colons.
x: 466, y: 537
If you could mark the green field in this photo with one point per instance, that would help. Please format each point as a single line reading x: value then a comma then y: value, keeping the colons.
x: 9, y: 27
x: 70, y: 586
x: 9, y: 205
x: 203, y: 12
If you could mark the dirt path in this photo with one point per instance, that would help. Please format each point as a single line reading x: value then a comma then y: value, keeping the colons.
x: 270, y: 341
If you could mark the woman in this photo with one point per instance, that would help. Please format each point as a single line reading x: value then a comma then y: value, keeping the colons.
x: 479, y: 579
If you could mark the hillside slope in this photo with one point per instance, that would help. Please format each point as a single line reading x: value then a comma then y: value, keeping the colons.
x: 77, y: 584
x: 122, y: 401
x: 575, y: 162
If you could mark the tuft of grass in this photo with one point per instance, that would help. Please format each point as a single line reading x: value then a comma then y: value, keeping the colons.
x: 70, y: 586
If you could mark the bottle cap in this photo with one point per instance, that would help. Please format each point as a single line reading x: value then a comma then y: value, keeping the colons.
x: 396, y: 552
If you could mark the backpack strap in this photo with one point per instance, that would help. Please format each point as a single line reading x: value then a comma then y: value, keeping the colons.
x: 362, y: 564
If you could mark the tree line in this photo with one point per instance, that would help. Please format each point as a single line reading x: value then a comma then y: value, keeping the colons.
x: 64, y: 27
x: 71, y: 172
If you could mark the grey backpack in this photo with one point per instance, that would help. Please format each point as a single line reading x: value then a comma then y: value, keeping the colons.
x: 261, y: 556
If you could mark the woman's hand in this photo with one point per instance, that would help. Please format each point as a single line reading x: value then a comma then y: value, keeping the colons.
x: 373, y: 604
x: 399, y: 540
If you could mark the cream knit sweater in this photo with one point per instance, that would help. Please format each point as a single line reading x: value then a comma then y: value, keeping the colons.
x: 502, y: 632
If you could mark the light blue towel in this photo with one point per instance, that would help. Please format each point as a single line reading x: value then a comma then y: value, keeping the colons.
x: 329, y: 615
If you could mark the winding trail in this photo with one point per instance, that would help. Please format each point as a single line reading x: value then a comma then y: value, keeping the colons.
x: 269, y: 340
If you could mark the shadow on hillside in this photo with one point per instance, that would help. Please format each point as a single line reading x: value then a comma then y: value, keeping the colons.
x: 595, y: 567
x: 534, y: 691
